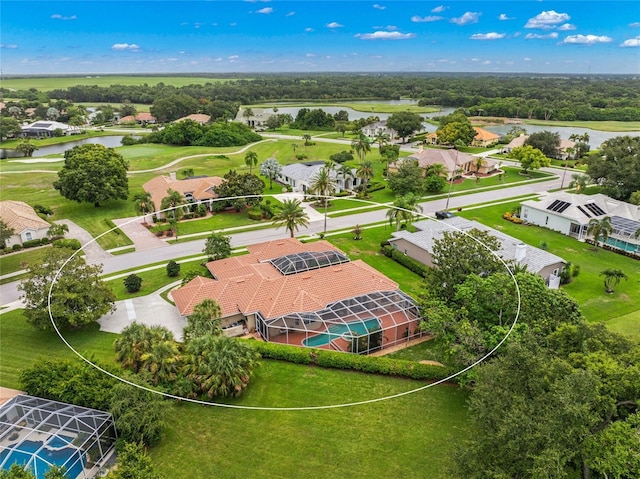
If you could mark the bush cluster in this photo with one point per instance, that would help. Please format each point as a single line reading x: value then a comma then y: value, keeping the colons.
x: 409, y: 263
x: 513, y: 218
x: 355, y: 362
x: 70, y: 243
x: 375, y: 186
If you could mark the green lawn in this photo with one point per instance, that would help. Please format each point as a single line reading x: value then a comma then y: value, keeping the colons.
x: 587, y: 288
x: 621, y: 126
x: 628, y: 324
x: 373, y: 107
x: 53, y: 83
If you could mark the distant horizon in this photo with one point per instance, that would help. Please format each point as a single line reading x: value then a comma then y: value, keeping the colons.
x: 113, y: 37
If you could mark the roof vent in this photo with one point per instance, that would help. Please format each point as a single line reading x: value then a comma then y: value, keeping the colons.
x: 521, y: 251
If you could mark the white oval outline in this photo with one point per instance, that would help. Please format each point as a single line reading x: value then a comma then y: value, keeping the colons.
x: 298, y: 408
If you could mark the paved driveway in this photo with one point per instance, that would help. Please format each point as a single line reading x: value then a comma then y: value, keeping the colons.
x: 142, y: 238
x: 92, y: 250
x: 150, y: 310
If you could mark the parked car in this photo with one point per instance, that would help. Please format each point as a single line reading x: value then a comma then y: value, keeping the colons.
x: 443, y: 215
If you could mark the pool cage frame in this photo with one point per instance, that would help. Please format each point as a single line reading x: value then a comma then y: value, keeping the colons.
x: 36, y: 419
x: 396, y: 314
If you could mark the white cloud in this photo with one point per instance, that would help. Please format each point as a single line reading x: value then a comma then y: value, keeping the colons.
x: 526, y: 59
x: 8, y: 46
x: 587, y: 39
x: 504, y: 16
x: 57, y: 16
x: 634, y: 25
x: 378, y: 7
x: 439, y: 9
x: 265, y: 10
x: 632, y: 42
x: 546, y: 20
x: 487, y: 36
x: 536, y: 36
x: 430, y: 18
x: 310, y: 55
x: 334, y: 25
x: 290, y: 14
x: 308, y: 29
x: 380, y: 35
x: 125, y: 46
x: 467, y: 18
x: 566, y: 27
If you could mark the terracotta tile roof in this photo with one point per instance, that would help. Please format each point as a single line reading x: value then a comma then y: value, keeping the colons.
x: 485, y: 135
x: 246, y: 286
x: 197, y: 117
x: 20, y: 216
x: 144, y: 116
x: 449, y: 158
x: 200, y: 188
x: 127, y: 119
x: 275, y: 249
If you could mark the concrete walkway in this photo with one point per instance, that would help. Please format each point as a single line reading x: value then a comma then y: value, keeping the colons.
x: 150, y: 310
x: 312, y: 213
x: 92, y: 250
x: 142, y: 238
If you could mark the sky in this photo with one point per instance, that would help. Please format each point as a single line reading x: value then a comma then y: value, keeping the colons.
x: 167, y: 36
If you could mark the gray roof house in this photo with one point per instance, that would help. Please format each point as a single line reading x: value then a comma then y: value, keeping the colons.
x: 46, y: 129
x: 300, y: 176
x: 570, y: 213
x: 419, y: 246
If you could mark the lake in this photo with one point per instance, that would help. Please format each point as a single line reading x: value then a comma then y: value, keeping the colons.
x: 60, y: 148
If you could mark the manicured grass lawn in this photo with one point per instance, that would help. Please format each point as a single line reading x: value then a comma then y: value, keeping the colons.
x: 21, y: 345
x: 628, y: 324
x: 587, y: 288
x: 60, y: 139
x: 412, y: 436
x: 373, y: 107
x: 594, y: 125
x: 53, y: 83
x: 17, y: 261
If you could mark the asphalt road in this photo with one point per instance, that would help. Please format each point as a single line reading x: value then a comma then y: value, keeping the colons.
x: 9, y: 292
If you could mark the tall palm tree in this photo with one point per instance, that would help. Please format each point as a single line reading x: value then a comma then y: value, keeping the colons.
x: 382, y: 139
x: 361, y: 146
x: 478, y: 164
x: 405, y: 208
x: 323, y: 184
x: 173, y: 202
x: 599, y: 229
x: 144, y: 203
x: 295, y: 147
x: 291, y: 215
x: 579, y: 182
x: 251, y: 160
x: 612, y: 278
x: 365, y: 172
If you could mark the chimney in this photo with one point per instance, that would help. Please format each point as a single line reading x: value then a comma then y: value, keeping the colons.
x: 521, y: 251
x: 172, y: 176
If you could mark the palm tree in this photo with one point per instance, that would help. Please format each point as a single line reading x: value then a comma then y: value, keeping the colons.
x: 204, y: 320
x: 173, y: 202
x: 137, y: 340
x: 248, y: 113
x: 478, y: 164
x: 361, y: 146
x: 144, y: 203
x: 307, y: 139
x: 295, y: 147
x: 579, y: 182
x: 291, y: 215
x: 365, y: 173
x: 381, y: 139
x: 612, y: 278
x: 162, y: 361
x: 599, y: 229
x: 323, y: 184
x: 251, y: 160
x: 437, y: 169
x: 405, y: 208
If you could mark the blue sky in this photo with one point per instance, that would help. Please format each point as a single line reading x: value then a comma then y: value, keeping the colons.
x: 93, y: 36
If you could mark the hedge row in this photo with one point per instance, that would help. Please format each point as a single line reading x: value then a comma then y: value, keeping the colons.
x: 405, y: 260
x: 355, y: 362
x: 375, y: 186
x: 73, y: 244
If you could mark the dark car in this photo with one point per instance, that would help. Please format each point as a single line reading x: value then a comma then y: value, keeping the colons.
x: 443, y: 215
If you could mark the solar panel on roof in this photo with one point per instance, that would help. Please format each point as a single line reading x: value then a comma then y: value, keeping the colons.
x: 595, y: 209
x: 558, y: 206
x: 584, y: 212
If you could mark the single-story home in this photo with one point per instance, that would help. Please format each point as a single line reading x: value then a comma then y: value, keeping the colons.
x: 198, y: 189
x: 304, y: 294
x: 197, y: 117
x: 520, y: 141
x: 47, y: 129
x: 142, y: 118
x: 258, y: 119
x: 570, y: 213
x: 456, y: 163
x: 419, y: 246
x: 484, y: 138
x: 24, y: 221
x: 379, y: 127
x: 300, y: 176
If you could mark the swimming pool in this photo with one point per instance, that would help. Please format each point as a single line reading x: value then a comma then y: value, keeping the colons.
x: 623, y: 245
x: 335, y: 331
x: 38, y: 457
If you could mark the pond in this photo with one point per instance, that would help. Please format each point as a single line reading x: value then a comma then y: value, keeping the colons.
x: 60, y: 148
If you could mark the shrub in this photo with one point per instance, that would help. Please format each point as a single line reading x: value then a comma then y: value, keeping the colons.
x: 341, y: 157
x: 16, y: 247
x: 31, y: 243
x: 160, y: 233
x: 409, y: 263
x: 201, y: 210
x: 173, y: 269
x: 254, y: 214
x: 375, y: 186
x: 44, y: 210
x: 133, y: 283
x: 70, y: 243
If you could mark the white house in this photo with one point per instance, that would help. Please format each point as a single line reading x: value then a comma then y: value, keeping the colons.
x: 24, y: 221
x: 46, y: 129
x: 379, y: 127
x: 300, y: 176
x: 570, y: 213
x: 419, y: 246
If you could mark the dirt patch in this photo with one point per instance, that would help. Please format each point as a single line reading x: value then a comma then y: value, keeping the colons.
x: 431, y: 362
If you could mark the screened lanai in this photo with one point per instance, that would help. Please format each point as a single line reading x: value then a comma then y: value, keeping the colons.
x: 38, y: 433
x: 360, y: 324
x: 307, y: 261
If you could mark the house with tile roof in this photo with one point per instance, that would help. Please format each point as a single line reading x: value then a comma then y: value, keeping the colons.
x: 419, y: 246
x: 304, y: 294
x: 456, y: 163
x: 24, y: 221
x: 484, y: 138
x: 570, y: 213
x: 300, y: 176
x: 200, y: 118
x: 198, y: 189
x: 520, y: 141
x: 142, y: 118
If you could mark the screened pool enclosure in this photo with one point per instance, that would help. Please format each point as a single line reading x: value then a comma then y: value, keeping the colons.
x: 361, y: 324
x: 38, y: 433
